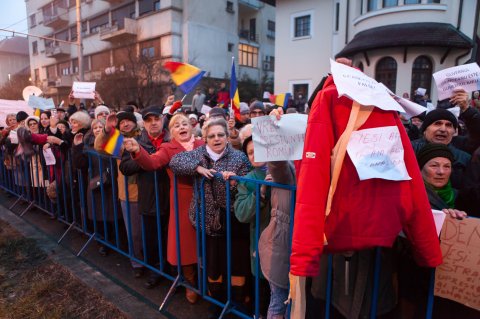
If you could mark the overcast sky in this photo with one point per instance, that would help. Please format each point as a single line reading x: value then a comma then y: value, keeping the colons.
x: 13, y: 16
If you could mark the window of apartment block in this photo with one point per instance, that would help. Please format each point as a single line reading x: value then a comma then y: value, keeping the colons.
x: 146, y: 6
x: 337, y: 16
x: 33, y: 20
x: 75, y: 65
x: 412, y: 1
x: 98, y: 23
x: 51, y: 72
x: 34, y: 47
x: 73, y: 33
x: 269, y: 63
x: 371, y: 5
x: 230, y: 46
x: 36, y: 75
x: 64, y: 68
x: 62, y: 35
x: 156, y: 5
x: 421, y: 74
x: 49, y: 43
x: 150, y: 48
x: 271, y: 29
x: 119, y: 15
x: 302, y: 26
x: 433, y: 1
x: 100, y: 61
x: 247, y: 55
x: 229, y: 7
x: 390, y: 3
x: 386, y: 72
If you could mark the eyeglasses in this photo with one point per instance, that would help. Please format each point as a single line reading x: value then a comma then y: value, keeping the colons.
x: 219, y: 135
x: 103, y: 114
x: 257, y: 113
x: 32, y: 123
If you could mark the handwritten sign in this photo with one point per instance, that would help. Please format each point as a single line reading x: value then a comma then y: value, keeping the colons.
x: 38, y: 102
x: 411, y: 108
x: 458, y: 278
x: 359, y: 87
x: 83, y: 90
x: 49, y: 157
x: 467, y: 76
x: 378, y: 153
x: 13, y: 136
x: 205, y: 109
x: 278, y: 140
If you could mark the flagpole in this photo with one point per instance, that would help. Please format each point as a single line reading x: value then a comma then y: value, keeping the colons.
x: 183, y: 98
x: 231, y: 97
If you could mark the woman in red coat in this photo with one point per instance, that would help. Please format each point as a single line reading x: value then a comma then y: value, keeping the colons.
x: 182, y: 140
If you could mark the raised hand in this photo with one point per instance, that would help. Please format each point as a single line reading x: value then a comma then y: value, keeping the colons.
x: 78, y: 139
x: 54, y: 140
x: 111, y: 122
x: 131, y: 145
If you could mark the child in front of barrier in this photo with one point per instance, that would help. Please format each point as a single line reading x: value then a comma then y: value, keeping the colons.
x: 245, y: 211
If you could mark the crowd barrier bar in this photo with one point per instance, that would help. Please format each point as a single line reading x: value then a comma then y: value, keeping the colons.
x: 18, y: 182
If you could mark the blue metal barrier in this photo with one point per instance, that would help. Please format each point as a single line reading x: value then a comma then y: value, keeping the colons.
x: 17, y: 180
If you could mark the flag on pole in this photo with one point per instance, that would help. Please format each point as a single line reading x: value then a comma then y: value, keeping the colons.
x: 184, y: 75
x: 280, y: 99
x: 235, y: 103
x: 114, y: 143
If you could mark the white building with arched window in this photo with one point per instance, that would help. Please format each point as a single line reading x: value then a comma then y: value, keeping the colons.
x: 398, y: 42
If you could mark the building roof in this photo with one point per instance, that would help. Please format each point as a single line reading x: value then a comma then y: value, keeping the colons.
x: 15, y: 45
x: 407, y: 35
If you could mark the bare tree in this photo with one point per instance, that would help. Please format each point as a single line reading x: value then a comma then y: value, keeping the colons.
x: 12, y: 90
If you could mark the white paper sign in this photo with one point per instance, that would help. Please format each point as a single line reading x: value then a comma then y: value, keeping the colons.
x: 378, y: 153
x: 467, y: 76
x: 205, y: 109
x: 49, y: 157
x: 278, y: 140
x: 13, y: 137
x: 83, y: 90
x: 359, y: 87
x: 38, y: 102
x: 439, y: 219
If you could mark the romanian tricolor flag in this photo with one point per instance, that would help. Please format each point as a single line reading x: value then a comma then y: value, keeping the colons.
x: 280, y: 99
x: 114, y: 143
x: 234, y: 92
x: 184, y: 75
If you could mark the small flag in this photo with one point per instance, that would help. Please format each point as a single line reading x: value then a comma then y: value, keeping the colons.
x: 234, y: 92
x: 184, y: 75
x: 37, y: 112
x: 114, y: 143
x: 280, y: 99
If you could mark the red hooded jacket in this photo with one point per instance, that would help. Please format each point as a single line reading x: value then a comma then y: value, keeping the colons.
x: 365, y: 213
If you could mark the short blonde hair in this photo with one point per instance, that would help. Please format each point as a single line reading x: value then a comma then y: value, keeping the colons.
x: 177, y: 117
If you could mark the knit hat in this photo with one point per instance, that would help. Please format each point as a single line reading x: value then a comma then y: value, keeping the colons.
x: 217, y: 111
x: 244, y: 109
x: 126, y: 116
x: 101, y: 108
x: 436, y: 115
x: 32, y: 117
x: 257, y: 105
x: 193, y: 116
x: 64, y: 123
x: 21, y: 116
x: 432, y: 150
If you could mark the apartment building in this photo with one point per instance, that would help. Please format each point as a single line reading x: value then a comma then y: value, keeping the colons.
x: 398, y: 42
x: 14, y: 58
x: 137, y: 36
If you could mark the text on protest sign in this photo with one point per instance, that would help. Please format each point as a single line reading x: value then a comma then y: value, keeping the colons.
x: 41, y: 103
x: 359, y: 87
x: 467, y: 76
x: 278, y: 140
x: 378, y: 153
x: 83, y: 90
x: 458, y: 278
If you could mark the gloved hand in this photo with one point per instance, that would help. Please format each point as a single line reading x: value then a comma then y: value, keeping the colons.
x: 175, y: 106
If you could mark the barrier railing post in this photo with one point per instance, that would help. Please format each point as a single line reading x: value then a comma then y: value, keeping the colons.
x: 94, y: 219
x: 328, y: 299
x: 431, y: 289
x: 257, y: 257
x: 114, y: 201
x: 376, y: 280
x: 29, y: 182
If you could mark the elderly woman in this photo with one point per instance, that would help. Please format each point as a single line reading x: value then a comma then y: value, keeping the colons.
x: 218, y: 156
x: 182, y: 140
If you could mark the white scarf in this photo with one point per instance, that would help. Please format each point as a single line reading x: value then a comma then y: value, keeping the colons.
x: 214, y: 156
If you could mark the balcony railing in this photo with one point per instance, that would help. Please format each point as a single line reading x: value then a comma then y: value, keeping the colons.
x: 118, y: 33
x: 254, y: 4
x: 247, y: 35
x: 58, y: 51
x: 58, y: 18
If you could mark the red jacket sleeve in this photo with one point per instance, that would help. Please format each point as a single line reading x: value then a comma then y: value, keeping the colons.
x: 151, y: 162
x: 39, y: 139
x: 307, y: 243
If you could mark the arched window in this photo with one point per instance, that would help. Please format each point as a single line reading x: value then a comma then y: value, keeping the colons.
x: 386, y: 72
x: 421, y: 74
x: 360, y: 66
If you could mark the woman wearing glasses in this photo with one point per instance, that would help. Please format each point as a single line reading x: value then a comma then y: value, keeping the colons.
x: 217, y: 156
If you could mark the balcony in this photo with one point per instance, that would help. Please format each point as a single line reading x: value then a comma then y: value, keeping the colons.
x: 253, y: 4
x: 62, y: 81
x: 57, y: 18
x: 247, y: 35
x: 113, y: 1
x: 58, y: 51
x: 117, y: 33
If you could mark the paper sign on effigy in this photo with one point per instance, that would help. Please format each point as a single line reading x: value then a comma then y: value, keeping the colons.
x: 38, y: 102
x: 467, y: 76
x: 359, y: 87
x: 458, y: 278
x: 378, y: 153
x: 83, y: 90
x: 49, y: 157
x: 278, y: 140
x: 439, y: 219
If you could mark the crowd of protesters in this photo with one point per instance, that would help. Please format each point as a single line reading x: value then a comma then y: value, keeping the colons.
x: 165, y: 146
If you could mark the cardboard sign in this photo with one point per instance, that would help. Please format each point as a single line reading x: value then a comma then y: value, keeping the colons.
x: 378, y: 153
x: 205, y: 109
x: 278, y: 140
x: 49, y: 157
x: 38, y: 102
x: 359, y: 87
x: 84, y: 90
x: 458, y: 278
x: 467, y: 76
